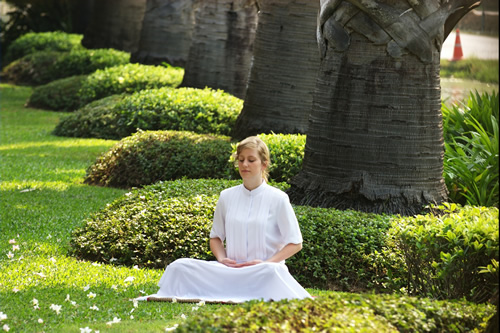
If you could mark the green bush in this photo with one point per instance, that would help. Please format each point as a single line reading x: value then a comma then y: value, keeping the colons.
x: 450, y: 256
x: 93, y: 120
x: 42, y: 41
x: 147, y: 157
x: 343, y: 312
x: 128, y: 78
x: 96, y: 120
x: 46, y: 66
x: 188, y: 109
x: 58, y: 95
x: 171, y: 220
x: 471, y: 150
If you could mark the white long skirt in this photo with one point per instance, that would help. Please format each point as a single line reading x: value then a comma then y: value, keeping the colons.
x: 198, y: 280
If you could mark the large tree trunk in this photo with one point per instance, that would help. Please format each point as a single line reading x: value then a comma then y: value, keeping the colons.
x: 221, y: 49
x: 166, y: 32
x: 284, y: 69
x: 115, y: 24
x: 375, y: 139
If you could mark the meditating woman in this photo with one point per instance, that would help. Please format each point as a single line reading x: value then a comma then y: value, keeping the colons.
x: 260, y: 230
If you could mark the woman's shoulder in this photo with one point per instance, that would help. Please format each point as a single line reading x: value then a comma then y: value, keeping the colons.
x: 276, y: 192
x: 230, y: 190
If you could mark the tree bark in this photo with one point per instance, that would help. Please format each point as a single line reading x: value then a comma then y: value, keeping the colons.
x: 283, y: 74
x: 166, y: 32
x: 375, y: 139
x: 221, y: 49
x: 115, y: 24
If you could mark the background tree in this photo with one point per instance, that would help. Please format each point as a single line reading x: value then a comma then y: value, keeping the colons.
x: 221, y: 49
x: 115, y: 24
x: 166, y: 32
x: 283, y: 73
x: 374, y: 141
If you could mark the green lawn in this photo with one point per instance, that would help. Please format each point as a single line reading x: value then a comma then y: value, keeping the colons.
x: 42, y: 199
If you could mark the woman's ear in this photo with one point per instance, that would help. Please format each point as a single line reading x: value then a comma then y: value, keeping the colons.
x: 264, y: 165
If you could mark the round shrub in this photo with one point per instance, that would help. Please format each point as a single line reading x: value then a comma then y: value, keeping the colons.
x: 58, y: 95
x: 46, y: 66
x: 154, y: 226
x: 184, y: 109
x: 94, y: 120
x: 42, y: 41
x: 147, y: 157
x: 150, y: 227
x: 32, y: 69
x: 128, y: 78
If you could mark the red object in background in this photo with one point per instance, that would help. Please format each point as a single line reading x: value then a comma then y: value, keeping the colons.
x: 457, y: 51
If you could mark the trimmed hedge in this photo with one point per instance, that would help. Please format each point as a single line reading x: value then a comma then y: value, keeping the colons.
x: 287, y: 148
x: 147, y: 157
x: 92, y: 120
x: 42, y: 41
x: 446, y: 253
x: 58, y: 95
x: 46, y: 66
x: 343, y: 312
x: 185, y: 109
x: 128, y: 78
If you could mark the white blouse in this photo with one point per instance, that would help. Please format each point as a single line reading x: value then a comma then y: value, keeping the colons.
x: 255, y: 224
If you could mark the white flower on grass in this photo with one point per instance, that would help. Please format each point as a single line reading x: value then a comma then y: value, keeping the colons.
x: 114, y: 321
x: 183, y: 316
x: 15, y: 248
x: 87, y: 287
x: 73, y: 303
x: 96, y: 264
x: 174, y: 300
x: 114, y: 287
x: 10, y: 255
x: 53, y: 260
x: 91, y: 295
x: 41, y: 275
x: 136, y: 302
x: 168, y: 329
x: 131, y: 317
x: 128, y: 194
x: 85, y: 330
x: 94, y: 307
x: 34, y: 301
x: 40, y: 320
x: 136, y: 267
x: 15, y: 290
x: 56, y: 308
x: 201, y: 303
x: 12, y: 241
x: 142, y: 292
x: 129, y: 279
x: 194, y: 308
x: 113, y: 259
x: 6, y: 328
x: 67, y: 298
x: 3, y: 316
x: 49, y: 236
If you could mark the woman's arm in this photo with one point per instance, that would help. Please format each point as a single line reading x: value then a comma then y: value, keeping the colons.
x: 219, y: 252
x: 286, y: 252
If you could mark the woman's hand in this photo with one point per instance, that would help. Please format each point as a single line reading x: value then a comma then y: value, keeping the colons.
x: 232, y: 263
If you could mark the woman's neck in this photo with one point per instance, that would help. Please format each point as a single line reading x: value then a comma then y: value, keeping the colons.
x: 252, y: 185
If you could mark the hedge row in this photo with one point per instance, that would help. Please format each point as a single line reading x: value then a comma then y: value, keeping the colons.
x: 439, y: 256
x: 343, y: 312
x: 150, y: 156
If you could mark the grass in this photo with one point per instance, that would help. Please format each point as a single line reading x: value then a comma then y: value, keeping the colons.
x: 483, y: 70
x: 42, y: 199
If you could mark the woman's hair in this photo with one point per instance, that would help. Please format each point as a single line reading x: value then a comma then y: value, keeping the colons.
x: 253, y: 142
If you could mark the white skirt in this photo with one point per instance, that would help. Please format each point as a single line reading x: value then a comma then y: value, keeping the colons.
x: 198, y: 280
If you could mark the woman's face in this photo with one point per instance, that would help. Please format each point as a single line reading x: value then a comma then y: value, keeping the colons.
x: 250, y: 165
